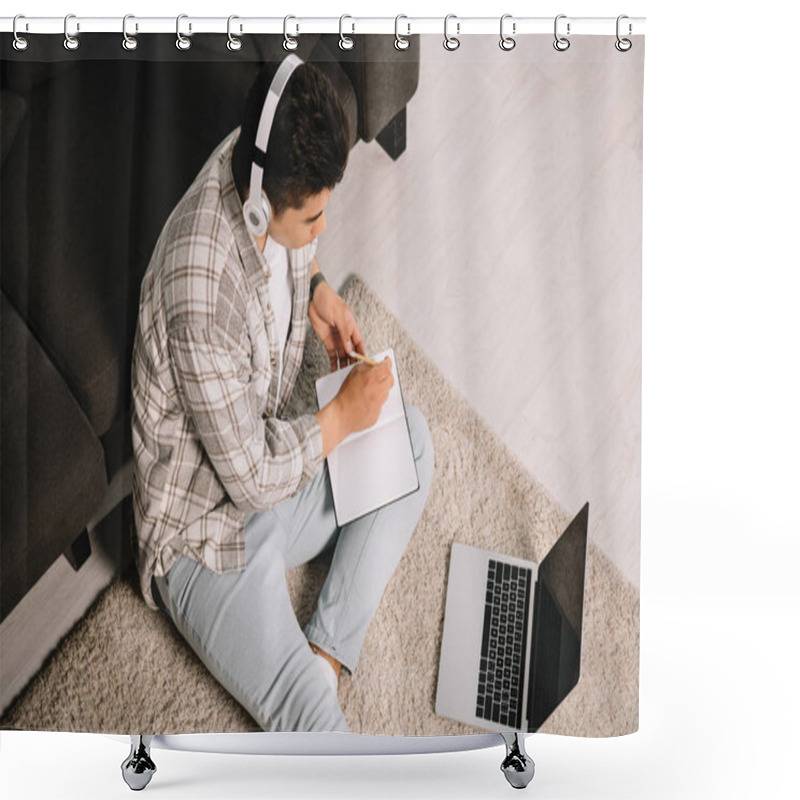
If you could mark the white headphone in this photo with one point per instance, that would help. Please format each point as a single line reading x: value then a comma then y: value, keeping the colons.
x: 256, y: 207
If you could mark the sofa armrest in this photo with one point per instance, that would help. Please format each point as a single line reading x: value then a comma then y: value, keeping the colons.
x: 53, y: 469
x: 384, y: 78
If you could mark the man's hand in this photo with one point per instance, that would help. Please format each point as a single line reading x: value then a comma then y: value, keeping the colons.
x: 335, y: 325
x: 363, y: 393
x: 358, y: 404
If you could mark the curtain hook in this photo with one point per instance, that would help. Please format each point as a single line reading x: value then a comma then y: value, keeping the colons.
x: 182, y: 42
x: 451, y: 42
x: 289, y: 43
x: 234, y: 43
x: 129, y: 42
x: 507, y: 42
x: 71, y: 42
x: 623, y: 45
x: 20, y: 42
x: 400, y: 42
x: 561, y: 43
x: 345, y: 42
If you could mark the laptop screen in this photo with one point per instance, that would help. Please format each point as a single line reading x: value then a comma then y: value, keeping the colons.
x: 558, y: 622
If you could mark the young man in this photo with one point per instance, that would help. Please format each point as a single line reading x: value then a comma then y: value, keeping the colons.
x: 228, y: 494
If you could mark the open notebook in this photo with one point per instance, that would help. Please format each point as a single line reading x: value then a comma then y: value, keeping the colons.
x: 376, y: 466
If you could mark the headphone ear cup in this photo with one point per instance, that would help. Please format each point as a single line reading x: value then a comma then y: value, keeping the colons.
x: 255, y: 218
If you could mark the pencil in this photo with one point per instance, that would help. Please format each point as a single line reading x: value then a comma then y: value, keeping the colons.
x: 363, y: 358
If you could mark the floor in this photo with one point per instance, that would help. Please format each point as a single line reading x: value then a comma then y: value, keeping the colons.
x: 507, y: 240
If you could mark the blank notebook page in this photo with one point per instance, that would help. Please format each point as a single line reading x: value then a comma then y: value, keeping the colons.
x: 376, y: 466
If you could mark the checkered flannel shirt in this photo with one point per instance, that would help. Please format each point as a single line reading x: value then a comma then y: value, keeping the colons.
x: 209, y: 443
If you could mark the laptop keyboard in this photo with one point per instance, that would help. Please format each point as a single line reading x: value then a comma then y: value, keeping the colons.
x: 505, y: 630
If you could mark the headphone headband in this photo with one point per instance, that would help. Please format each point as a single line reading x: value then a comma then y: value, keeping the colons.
x: 254, y: 213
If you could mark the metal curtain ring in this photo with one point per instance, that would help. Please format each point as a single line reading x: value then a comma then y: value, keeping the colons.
x: 289, y: 43
x: 128, y: 42
x: 70, y: 42
x: 400, y: 42
x: 234, y: 43
x: 506, y: 42
x: 345, y: 42
x: 561, y: 43
x: 182, y: 43
x: 20, y: 42
x: 623, y: 45
x: 451, y: 42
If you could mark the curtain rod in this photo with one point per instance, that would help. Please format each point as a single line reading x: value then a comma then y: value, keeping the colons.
x: 297, y: 25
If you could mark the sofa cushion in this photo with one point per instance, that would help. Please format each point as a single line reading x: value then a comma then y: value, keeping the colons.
x: 12, y: 113
x: 65, y: 266
x: 52, y: 470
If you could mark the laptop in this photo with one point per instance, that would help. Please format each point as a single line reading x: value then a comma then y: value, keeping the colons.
x: 511, y: 646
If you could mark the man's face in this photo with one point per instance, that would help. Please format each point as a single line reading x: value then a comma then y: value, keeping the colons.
x: 298, y: 227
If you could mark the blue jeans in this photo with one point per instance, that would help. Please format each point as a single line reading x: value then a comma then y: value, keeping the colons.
x: 242, y: 624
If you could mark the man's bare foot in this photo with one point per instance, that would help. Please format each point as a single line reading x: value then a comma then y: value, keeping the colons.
x: 337, y: 666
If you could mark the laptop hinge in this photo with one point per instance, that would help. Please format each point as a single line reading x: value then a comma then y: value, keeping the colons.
x: 531, y: 662
x: 529, y: 658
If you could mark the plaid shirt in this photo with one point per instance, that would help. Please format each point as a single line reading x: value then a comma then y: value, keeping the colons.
x: 209, y: 443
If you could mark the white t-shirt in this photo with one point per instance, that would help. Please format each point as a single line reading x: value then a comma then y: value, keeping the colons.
x: 281, y: 290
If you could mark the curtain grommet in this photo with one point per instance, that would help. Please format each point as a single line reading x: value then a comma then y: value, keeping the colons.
x: 182, y: 42
x: 507, y: 43
x: 345, y: 42
x: 71, y: 43
x: 20, y: 42
x: 129, y: 43
x: 451, y: 43
x: 233, y: 44
x: 401, y: 42
x: 561, y: 43
x: 623, y: 45
x: 289, y: 43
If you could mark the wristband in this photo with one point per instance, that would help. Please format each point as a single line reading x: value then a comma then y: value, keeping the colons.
x: 316, y: 280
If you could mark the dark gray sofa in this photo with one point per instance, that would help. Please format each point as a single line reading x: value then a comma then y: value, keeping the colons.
x: 97, y: 148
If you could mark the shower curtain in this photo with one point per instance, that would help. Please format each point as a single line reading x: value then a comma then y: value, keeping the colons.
x: 480, y: 221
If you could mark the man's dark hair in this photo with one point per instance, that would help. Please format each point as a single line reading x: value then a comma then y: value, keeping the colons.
x: 308, y: 144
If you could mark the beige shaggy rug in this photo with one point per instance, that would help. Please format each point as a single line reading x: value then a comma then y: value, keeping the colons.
x: 124, y: 668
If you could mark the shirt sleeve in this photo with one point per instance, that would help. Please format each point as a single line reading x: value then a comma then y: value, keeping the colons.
x: 260, y: 460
